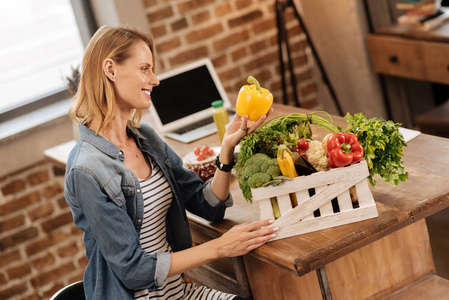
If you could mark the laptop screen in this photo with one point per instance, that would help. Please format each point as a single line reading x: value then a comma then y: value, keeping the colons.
x: 184, y: 94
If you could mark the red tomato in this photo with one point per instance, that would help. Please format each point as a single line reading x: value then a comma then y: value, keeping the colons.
x: 303, y: 144
x: 203, y: 152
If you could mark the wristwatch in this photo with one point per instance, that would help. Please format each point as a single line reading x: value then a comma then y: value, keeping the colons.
x: 223, y: 167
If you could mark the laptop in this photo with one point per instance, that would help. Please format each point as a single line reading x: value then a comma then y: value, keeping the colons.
x: 181, y: 104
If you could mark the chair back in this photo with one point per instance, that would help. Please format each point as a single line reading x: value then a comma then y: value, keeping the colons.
x: 74, y: 291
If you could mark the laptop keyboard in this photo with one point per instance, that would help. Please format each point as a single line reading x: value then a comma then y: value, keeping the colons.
x: 194, y: 126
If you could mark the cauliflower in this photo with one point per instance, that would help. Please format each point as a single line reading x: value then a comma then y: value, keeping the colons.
x: 317, y: 156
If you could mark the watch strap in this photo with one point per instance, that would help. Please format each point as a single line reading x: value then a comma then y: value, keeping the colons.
x: 223, y: 167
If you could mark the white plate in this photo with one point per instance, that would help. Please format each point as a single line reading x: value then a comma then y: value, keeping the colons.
x: 190, y: 158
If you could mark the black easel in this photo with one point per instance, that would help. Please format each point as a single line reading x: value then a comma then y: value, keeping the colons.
x: 280, y: 7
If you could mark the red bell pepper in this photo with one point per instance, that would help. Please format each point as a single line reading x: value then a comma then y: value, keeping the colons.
x: 343, y: 149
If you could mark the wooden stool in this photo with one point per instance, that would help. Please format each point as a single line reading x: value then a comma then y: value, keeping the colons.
x: 436, y: 121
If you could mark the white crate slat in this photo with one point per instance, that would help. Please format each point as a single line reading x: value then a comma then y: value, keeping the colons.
x: 365, y: 198
x: 265, y: 209
x: 305, y: 182
x: 302, y: 197
x: 328, y: 185
x: 326, y: 209
x: 285, y: 205
x: 315, y: 202
x: 345, y: 202
x: 335, y: 220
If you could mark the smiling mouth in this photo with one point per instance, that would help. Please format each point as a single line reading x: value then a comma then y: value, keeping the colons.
x: 148, y: 93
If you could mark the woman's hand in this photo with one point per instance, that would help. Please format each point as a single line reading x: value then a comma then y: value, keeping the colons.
x: 243, y: 238
x: 239, y: 240
x: 240, y: 127
x: 237, y: 130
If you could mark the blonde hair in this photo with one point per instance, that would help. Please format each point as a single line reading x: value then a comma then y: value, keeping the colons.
x: 95, y: 98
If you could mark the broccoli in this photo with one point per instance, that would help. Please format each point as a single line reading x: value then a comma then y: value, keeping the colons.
x: 274, y: 171
x: 264, y: 167
x: 258, y: 179
x: 259, y: 170
x: 251, y: 169
x: 258, y: 158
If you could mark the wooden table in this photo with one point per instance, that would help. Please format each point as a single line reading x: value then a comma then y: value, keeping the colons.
x: 388, y: 256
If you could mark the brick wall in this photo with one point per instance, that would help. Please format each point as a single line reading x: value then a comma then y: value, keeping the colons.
x: 239, y: 36
x: 41, y: 250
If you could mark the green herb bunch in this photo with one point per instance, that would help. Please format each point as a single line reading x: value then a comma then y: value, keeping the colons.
x: 382, y: 143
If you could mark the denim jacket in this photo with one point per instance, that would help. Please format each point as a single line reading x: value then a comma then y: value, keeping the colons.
x: 107, y: 204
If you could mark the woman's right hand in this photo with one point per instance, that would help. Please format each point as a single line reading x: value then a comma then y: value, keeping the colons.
x: 239, y: 240
x: 243, y: 238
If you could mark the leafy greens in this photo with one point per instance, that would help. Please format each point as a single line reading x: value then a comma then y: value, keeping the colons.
x: 382, y: 143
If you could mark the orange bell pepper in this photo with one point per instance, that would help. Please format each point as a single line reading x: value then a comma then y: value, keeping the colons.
x: 253, y: 100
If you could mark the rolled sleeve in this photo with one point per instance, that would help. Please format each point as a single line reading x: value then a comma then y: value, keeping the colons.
x: 212, y: 199
x: 162, y: 267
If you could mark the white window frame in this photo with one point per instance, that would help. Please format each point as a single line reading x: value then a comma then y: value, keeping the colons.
x: 87, y: 26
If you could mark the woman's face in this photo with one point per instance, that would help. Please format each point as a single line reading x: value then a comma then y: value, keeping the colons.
x: 134, y: 79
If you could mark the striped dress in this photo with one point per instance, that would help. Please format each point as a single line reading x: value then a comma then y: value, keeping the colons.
x: 157, y: 196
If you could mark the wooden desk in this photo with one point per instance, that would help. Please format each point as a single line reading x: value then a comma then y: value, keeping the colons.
x: 413, y: 60
x: 372, y: 259
x: 403, y: 52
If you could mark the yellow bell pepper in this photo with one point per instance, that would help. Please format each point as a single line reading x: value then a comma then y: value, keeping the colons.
x: 253, y: 100
x: 287, y: 167
x: 285, y: 162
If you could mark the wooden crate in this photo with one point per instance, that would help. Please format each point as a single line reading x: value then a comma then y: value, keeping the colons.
x: 315, y: 193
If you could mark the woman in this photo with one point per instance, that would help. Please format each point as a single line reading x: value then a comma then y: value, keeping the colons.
x: 128, y: 190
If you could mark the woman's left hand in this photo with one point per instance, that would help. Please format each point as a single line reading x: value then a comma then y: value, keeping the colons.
x: 236, y: 131
x: 239, y: 128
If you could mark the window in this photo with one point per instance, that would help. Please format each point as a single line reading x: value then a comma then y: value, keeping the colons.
x: 41, y: 43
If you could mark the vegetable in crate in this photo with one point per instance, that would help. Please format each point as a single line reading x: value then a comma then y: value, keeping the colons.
x: 343, y: 150
x: 316, y: 156
x: 287, y: 167
x: 253, y: 100
x: 260, y: 170
x: 285, y: 129
x: 285, y: 162
x: 382, y: 143
x: 302, y: 165
x: 302, y: 145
